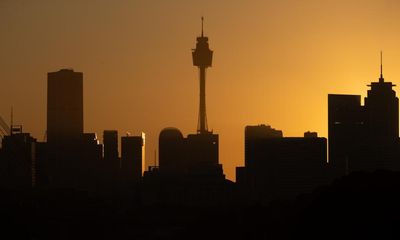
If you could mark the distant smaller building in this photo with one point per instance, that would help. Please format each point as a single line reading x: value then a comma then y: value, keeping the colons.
x: 110, y: 142
x: 310, y: 134
x: 133, y: 158
x: 278, y: 167
x: 189, y: 171
x: 195, y: 155
x: 18, y: 160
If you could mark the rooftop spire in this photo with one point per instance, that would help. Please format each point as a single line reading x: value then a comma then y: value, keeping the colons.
x: 202, y: 20
x: 381, y: 79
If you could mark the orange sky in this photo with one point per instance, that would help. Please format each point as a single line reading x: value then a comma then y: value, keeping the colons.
x: 274, y: 62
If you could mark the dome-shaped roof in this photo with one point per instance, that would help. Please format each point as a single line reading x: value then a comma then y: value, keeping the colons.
x: 170, y: 133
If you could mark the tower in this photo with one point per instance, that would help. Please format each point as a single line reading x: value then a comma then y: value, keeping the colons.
x: 364, y: 138
x: 64, y: 106
x: 382, y: 109
x: 202, y: 58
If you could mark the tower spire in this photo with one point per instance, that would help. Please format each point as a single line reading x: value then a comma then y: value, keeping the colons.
x: 381, y: 79
x: 202, y: 58
x: 202, y: 21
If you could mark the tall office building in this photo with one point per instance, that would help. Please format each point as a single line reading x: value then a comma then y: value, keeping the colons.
x: 72, y: 158
x: 64, y: 106
x: 281, y: 167
x: 365, y: 137
x: 346, y: 130
x: 110, y: 141
x: 133, y: 158
x: 382, y: 110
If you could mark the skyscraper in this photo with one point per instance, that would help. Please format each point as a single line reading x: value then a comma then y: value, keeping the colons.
x: 64, y: 105
x: 346, y: 129
x: 133, y: 157
x: 382, y: 109
x: 110, y: 141
x: 281, y: 167
x: 364, y: 137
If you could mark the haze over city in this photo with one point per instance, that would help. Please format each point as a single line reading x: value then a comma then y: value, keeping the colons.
x: 274, y: 63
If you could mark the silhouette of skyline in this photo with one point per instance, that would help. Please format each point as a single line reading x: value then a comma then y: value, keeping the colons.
x: 272, y: 62
x: 361, y: 138
x: 68, y: 182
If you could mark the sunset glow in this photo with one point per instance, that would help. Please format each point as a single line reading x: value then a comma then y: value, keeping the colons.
x: 274, y: 62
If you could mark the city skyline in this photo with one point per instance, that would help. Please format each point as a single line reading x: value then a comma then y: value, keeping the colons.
x: 135, y: 100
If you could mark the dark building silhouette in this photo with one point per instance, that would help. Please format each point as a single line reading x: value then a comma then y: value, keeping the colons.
x: 75, y: 165
x: 202, y: 58
x: 171, y: 145
x: 198, y: 153
x: 278, y: 167
x: 252, y: 133
x: 382, y: 111
x: 195, y: 155
x: 202, y: 151
x: 133, y: 158
x: 70, y: 158
x: 346, y: 129
x: 110, y: 142
x: 310, y: 134
x: 18, y: 160
x: 364, y: 138
x: 64, y: 105
x: 189, y: 172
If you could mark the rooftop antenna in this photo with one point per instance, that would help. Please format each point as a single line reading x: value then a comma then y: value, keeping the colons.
x: 381, y: 77
x: 202, y: 21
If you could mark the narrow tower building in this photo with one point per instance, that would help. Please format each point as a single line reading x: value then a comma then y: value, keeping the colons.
x: 202, y: 58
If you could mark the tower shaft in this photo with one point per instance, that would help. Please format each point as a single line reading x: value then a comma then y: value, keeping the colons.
x: 202, y: 124
x: 202, y: 58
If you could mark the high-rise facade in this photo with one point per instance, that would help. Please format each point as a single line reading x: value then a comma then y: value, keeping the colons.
x: 281, y: 167
x: 110, y: 141
x: 133, y: 157
x: 346, y: 129
x: 18, y: 161
x: 382, y: 111
x: 365, y: 137
x: 64, y: 106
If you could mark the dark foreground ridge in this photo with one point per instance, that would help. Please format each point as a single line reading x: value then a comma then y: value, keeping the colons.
x: 360, y: 205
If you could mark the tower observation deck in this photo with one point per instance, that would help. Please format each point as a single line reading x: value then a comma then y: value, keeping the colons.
x: 202, y: 58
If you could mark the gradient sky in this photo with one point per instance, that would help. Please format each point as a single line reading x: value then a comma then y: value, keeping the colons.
x: 274, y: 62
